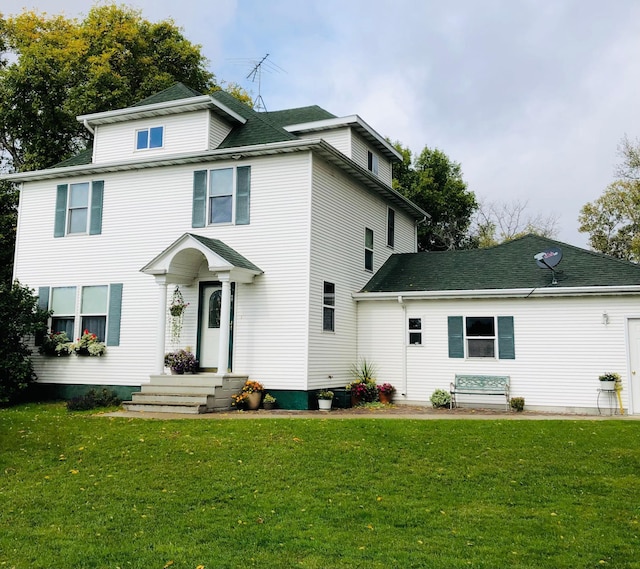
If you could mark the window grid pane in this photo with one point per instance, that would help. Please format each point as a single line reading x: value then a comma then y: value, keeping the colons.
x: 328, y: 308
x: 155, y: 137
x: 95, y: 325
x: 221, y: 209
x: 63, y: 300
x: 142, y: 139
x: 94, y: 300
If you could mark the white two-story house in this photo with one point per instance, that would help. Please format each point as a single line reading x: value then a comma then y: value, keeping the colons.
x: 266, y: 222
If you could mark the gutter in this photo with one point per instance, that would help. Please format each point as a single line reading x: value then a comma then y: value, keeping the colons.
x: 499, y: 293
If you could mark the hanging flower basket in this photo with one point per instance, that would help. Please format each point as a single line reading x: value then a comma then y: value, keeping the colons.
x: 176, y: 310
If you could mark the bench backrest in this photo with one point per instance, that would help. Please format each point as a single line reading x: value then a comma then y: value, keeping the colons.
x: 482, y: 382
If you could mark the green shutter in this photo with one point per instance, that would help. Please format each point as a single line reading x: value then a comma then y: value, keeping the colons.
x: 243, y: 195
x: 97, y: 192
x: 456, y: 338
x: 115, y: 312
x: 506, y: 341
x: 43, y: 304
x: 61, y: 211
x: 199, y: 212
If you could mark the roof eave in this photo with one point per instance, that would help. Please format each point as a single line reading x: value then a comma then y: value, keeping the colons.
x: 353, y: 121
x: 498, y: 293
x: 157, y: 109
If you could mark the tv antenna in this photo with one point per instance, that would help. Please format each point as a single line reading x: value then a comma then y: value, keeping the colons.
x: 256, y: 75
x: 549, y: 259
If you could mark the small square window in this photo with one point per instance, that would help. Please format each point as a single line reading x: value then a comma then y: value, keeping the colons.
x: 415, y: 331
x: 149, y: 138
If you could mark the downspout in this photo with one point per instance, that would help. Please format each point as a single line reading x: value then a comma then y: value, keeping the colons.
x: 88, y: 126
x: 404, y: 346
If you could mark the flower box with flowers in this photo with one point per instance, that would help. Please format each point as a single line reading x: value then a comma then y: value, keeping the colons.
x: 88, y: 345
x: 56, y: 344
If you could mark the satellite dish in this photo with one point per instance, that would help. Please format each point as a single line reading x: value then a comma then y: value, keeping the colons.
x: 549, y: 259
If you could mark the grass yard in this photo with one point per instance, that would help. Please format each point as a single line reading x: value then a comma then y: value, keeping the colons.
x: 79, y: 491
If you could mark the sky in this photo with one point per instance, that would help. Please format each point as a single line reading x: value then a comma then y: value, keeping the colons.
x: 531, y: 97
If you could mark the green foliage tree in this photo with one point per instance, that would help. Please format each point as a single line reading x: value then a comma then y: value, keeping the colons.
x: 613, y: 221
x: 21, y: 319
x: 434, y: 182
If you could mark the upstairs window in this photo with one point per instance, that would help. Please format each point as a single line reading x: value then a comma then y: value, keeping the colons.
x: 372, y: 162
x: 391, y: 227
x: 329, y: 307
x: 79, y: 209
x: 368, y: 249
x: 221, y: 196
x: 149, y: 138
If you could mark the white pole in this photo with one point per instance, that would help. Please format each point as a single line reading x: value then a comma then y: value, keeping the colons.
x: 225, y: 313
x: 162, y: 324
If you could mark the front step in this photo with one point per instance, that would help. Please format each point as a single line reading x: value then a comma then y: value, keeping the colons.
x: 192, y: 394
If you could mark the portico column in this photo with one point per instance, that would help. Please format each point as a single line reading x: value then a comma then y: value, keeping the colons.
x: 161, y: 320
x: 225, y: 313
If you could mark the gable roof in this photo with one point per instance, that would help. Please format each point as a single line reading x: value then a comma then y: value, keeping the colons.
x: 508, y: 266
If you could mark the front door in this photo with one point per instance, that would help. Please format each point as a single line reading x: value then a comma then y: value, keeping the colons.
x: 634, y: 363
x: 210, y: 302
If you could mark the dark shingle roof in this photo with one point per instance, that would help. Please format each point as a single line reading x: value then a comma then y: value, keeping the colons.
x: 298, y: 116
x: 176, y: 92
x: 83, y: 157
x: 507, y: 266
x: 230, y: 255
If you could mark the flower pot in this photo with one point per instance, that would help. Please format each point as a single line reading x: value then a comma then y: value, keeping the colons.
x: 355, y: 400
x: 269, y: 405
x: 608, y: 385
x: 177, y: 371
x: 253, y: 400
x: 385, y: 397
x: 324, y: 404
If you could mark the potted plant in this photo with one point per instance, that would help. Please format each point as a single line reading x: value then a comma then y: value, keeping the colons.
x: 609, y: 380
x: 363, y: 387
x: 385, y: 392
x: 176, y: 310
x: 269, y: 402
x: 56, y: 344
x: 517, y: 403
x: 440, y: 399
x: 181, y: 361
x: 250, y: 396
x: 325, y: 399
x: 88, y: 345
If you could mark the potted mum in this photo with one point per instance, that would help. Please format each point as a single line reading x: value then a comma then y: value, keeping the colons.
x: 385, y: 392
x: 325, y: 399
x: 250, y: 396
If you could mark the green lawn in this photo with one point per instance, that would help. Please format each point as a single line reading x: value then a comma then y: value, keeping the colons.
x: 80, y: 491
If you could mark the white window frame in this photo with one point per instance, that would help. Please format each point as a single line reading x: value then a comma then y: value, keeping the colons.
x: 94, y: 314
x: 148, y: 131
x: 391, y: 227
x: 493, y: 338
x: 86, y: 207
x: 234, y: 197
x: 416, y: 333
x: 368, y: 250
x: 328, y: 306
x: 373, y: 162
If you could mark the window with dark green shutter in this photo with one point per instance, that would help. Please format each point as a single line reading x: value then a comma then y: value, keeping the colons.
x: 456, y: 338
x: 79, y: 208
x: 221, y: 196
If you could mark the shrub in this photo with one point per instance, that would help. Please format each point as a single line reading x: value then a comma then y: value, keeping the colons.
x: 517, y: 403
x: 92, y: 400
x: 21, y: 318
x: 440, y: 398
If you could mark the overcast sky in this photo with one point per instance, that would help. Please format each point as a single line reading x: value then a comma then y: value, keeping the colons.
x: 532, y: 97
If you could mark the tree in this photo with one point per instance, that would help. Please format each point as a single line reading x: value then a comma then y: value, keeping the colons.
x: 53, y: 68
x: 629, y: 151
x: 497, y: 222
x: 434, y: 182
x: 21, y: 318
x: 613, y: 221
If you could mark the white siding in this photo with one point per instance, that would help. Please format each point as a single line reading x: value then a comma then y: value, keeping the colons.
x: 561, y: 346
x: 144, y: 212
x: 186, y: 132
x: 218, y: 131
x: 341, y: 212
x: 339, y: 138
x: 359, y: 155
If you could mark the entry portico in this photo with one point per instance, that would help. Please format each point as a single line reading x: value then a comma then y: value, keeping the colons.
x: 191, y: 259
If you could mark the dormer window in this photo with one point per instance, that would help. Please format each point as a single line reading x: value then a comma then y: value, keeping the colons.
x: 149, y: 138
x: 372, y: 162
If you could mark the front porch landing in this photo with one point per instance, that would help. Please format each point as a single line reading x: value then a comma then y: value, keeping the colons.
x: 188, y: 393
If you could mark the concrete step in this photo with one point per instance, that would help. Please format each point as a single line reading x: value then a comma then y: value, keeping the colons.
x: 187, y: 408
x: 172, y: 398
x: 154, y: 389
x: 191, y: 380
